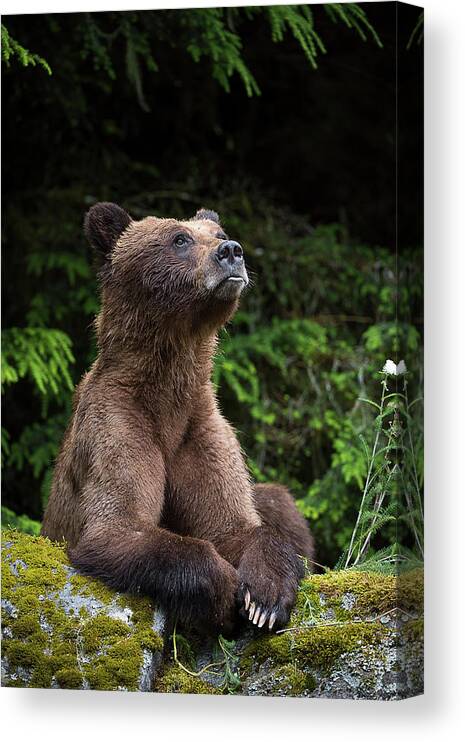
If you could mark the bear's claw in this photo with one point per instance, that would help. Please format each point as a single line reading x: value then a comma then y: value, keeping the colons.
x: 258, y: 614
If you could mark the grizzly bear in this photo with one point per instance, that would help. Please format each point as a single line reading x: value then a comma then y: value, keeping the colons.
x: 150, y: 489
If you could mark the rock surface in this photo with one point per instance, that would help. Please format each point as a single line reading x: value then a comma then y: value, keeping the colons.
x: 351, y: 635
x: 62, y: 630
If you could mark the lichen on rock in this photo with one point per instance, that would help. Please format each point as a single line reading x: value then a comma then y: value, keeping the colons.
x: 351, y: 635
x: 177, y: 680
x: 63, y: 630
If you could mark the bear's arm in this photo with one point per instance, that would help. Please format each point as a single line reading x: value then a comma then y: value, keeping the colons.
x: 185, y: 576
x: 257, y: 529
x: 121, y: 541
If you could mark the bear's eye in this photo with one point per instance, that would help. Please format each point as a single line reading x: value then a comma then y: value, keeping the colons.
x: 181, y: 240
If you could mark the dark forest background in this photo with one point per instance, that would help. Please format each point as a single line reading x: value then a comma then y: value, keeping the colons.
x: 286, y: 121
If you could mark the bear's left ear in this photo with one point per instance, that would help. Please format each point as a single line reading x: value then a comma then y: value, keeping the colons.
x: 104, y: 223
x: 212, y: 216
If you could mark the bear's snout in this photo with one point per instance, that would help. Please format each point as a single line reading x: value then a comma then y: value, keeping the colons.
x: 227, y: 276
x: 229, y: 253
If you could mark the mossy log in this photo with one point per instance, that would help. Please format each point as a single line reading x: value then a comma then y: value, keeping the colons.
x: 351, y: 635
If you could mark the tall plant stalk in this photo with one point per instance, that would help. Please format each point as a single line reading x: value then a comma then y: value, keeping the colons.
x: 391, y: 481
x: 368, y: 479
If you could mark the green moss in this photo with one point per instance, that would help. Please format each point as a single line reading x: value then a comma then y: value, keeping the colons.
x: 374, y: 593
x: 414, y: 630
x: 334, y: 615
x: 176, y: 680
x: 50, y: 642
x: 68, y: 678
x: 289, y: 680
x: 28, y: 602
x: 186, y: 650
x: 19, y: 653
x: 410, y: 590
x: 24, y: 625
x: 149, y: 639
x: 115, y: 669
x: 92, y: 588
x: 313, y: 647
x: 18, y: 683
x: 101, y: 630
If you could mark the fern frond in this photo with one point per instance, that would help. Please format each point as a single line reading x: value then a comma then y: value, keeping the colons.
x: 354, y: 17
x: 299, y: 20
x: 212, y: 38
x: 44, y: 355
x: 74, y: 266
x: 418, y: 30
x: 12, y: 49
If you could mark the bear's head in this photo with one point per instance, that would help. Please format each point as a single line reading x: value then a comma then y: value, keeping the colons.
x: 173, y: 271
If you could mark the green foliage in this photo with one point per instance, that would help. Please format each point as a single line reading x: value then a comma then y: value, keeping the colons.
x: 215, y: 34
x: 212, y: 38
x: 391, y: 493
x: 42, y: 354
x: 20, y: 522
x: 98, y: 44
x: 294, y: 367
x: 354, y: 17
x: 43, y: 357
x: 304, y: 347
x: 137, y: 52
x: 223, y: 667
x: 416, y: 37
x: 12, y: 49
x: 299, y: 20
x: 36, y: 449
x: 218, y: 35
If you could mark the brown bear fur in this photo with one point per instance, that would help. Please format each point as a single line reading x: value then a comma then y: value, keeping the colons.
x: 150, y: 488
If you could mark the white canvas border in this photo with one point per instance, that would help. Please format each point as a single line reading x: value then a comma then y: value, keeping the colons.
x: 70, y: 715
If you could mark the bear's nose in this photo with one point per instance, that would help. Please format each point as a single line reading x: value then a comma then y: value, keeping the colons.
x: 229, y: 252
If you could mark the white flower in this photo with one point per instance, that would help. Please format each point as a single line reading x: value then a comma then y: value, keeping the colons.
x: 393, y: 370
x: 390, y: 368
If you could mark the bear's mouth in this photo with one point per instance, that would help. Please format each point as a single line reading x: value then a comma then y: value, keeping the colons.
x: 230, y: 287
x: 232, y: 278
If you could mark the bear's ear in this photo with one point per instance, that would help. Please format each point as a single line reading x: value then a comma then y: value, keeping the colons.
x: 207, y: 214
x: 104, y: 223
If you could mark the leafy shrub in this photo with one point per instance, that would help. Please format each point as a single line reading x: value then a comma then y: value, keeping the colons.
x: 21, y: 522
